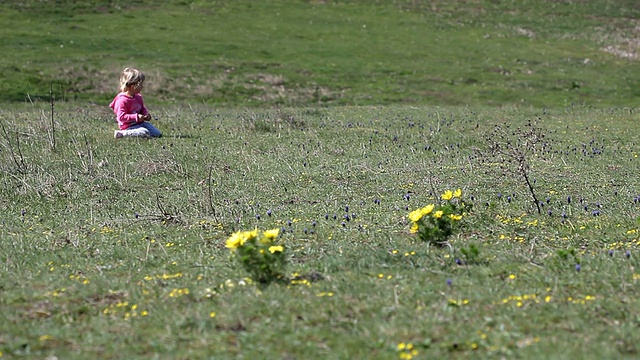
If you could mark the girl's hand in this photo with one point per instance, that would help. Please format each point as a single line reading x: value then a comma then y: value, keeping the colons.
x: 142, y: 118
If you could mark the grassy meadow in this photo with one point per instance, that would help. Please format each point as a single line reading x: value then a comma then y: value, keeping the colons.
x: 309, y: 53
x: 331, y: 121
x: 117, y: 247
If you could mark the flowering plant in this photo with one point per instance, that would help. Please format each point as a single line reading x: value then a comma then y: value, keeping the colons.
x: 259, y: 254
x: 435, y: 223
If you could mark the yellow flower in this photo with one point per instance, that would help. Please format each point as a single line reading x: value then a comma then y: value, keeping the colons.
x: 457, y: 193
x: 415, y: 215
x: 238, y: 238
x: 276, y: 248
x: 413, y: 230
x: 448, y: 195
x: 235, y: 241
x: 427, y: 209
x: 438, y: 214
x: 455, y: 217
x: 269, y: 235
x: 251, y: 234
x: 272, y: 234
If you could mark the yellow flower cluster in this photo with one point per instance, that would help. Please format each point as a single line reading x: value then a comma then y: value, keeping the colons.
x: 239, y: 238
x: 406, y: 351
x: 436, y: 212
x: 448, y: 195
x: 179, y: 292
x: 455, y: 217
x: 259, y: 253
x: 122, y: 308
x: 418, y: 214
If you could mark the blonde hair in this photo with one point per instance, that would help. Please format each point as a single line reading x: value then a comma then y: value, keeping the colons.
x: 130, y: 77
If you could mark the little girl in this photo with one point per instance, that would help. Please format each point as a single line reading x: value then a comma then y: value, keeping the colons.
x: 133, y: 118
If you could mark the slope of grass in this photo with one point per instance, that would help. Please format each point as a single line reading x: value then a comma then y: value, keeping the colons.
x: 540, y: 53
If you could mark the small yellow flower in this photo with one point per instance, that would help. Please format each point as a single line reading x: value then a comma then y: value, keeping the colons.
x: 276, y: 248
x: 455, y: 217
x: 457, y: 193
x: 271, y: 234
x: 415, y: 215
x: 438, y: 214
x: 251, y: 234
x: 448, y: 195
x: 427, y: 209
x: 413, y: 230
x: 235, y: 241
x: 212, y: 314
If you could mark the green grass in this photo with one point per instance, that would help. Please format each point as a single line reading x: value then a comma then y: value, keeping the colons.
x: 115, y: 249
x: 313, y: 111
x: 300, y: 53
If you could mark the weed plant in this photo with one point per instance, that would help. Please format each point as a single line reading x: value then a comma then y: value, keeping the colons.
x: 436, y: 223
x: 259, y: 254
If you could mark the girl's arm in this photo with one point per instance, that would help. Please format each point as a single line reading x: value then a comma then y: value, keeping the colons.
x: 143, y: 110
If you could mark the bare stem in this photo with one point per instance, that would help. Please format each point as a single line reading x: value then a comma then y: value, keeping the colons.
x: 210, y: 191
x: 53, y: 123
x: 525, y: 175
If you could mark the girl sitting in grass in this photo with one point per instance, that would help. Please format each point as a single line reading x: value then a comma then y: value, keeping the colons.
x: 131, y: 114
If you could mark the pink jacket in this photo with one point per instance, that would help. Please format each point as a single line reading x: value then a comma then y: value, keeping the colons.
x: 127, y: 109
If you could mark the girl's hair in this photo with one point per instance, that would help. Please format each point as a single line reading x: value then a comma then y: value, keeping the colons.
x: 130, y: 77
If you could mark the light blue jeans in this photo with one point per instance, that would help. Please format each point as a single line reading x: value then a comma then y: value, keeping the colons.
x: 144, y: 129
